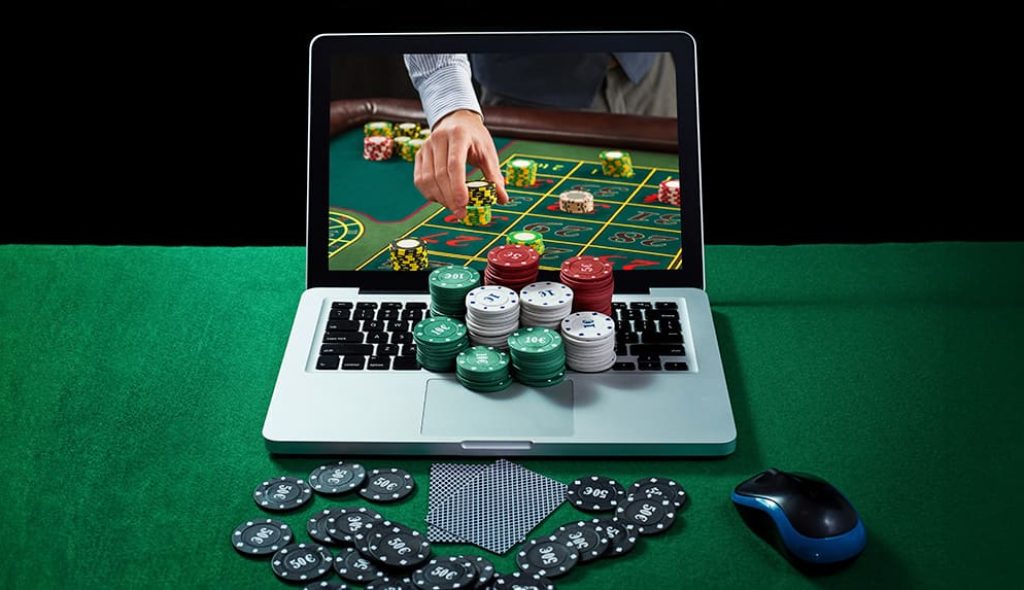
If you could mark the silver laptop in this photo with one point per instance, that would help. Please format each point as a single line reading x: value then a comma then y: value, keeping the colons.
x: 349, y: 382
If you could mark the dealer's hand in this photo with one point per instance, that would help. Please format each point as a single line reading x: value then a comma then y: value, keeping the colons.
x: 458, y: 138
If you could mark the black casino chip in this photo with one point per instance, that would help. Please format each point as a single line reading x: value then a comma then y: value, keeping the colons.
x: 261, y: 537
x: 650, y: 516
x: 445, y: 573
x: 318, y: 526
x: 326, y: 585
x: 549, y: 557
x: 658, y: 488
x: 337, y: 478
x: 398, y: 546
x: 392, y: 584
x: 348, y: 522
x: 353, y: 567
x: 301, y: 562
x: 587, y: 537
x: 621, y: 536
x: 595, y: 493
x: 484, y: 569
x: 521, y: 581
x: 388, y: 485
x: 281, y: 494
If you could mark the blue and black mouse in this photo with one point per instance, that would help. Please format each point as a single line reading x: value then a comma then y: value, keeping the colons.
x: 815, y: 523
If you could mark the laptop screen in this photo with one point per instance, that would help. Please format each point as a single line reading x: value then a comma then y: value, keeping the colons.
x: 433, y: 150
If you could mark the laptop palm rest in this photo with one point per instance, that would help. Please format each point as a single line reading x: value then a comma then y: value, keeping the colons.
x: 519, y: 412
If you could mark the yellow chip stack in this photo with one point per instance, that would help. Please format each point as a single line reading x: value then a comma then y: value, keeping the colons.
x: 374, y: 128
x: 407, y: 129
x: 521, y: 172
x: 532, y: 239
x: 424, y: 133
x: 477, y: 215
x: 400, y: 142
x: 481, y: 192
x: 616, y: 163
x: 408, y: 254
x: 410, y: 148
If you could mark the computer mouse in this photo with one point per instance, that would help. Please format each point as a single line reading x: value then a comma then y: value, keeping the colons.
x: 813, y: 520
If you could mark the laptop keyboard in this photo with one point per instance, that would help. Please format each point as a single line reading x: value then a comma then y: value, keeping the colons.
x: 377, y: 336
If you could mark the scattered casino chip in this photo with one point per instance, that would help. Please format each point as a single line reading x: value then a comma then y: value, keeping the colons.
x: 326, y: 585
x: 484, y: 569
x: 301, y: 562
x: 398, y: 546
x: 521, y: 581
x: 521, y: 172
x: 352, y: 566
x: 446, y: 573
x: 616, y: 163
x: 337, y: 478
x: 318, y: 526
x: 650, y: 516
x: 281, y: 494
x: 538, y: 356
x: 392, y: 584
x: 596, y: 493
x: 261, y: 537
x: 622, y: 536
x: 350, y: 521
x: 588, y: 538
x: 589, y: 341
x: 658, y: 488
x: 549, y: 557
x: 388, y: 485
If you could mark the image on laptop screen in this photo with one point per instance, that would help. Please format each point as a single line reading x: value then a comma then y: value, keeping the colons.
x: 614, y: 201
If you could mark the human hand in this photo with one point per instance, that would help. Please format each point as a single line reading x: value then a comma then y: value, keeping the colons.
x: 440, y: 174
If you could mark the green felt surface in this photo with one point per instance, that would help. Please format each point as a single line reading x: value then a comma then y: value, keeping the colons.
x: 134, y: 381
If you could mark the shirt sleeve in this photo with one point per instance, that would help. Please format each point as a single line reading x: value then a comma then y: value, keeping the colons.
x: 444, y: 81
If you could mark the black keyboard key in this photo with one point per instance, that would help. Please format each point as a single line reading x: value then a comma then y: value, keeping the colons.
x: 405, y: 363
x: 415, y: 305
x: 343, y: 338
x: 412, y: 314
x: 649, y: 366
x: 645, y: 326
x: 657, y: 349
x: 328, y: 362
x: 629, y: 337
x: 661, y: 314
x: 676, y: 367
x: 334, y: 349
x: 346, y: 349
x: 618, y: 305
x: 379, y: 363
x: 409, y: 349
x: 624, y: 366
x: 363, y: 314
x: 669, y: 326
x: 662, y: 338
x: 391, y: 305
x: 353, y: 363
x: 373, y: 326
x: 620, y: 349
x: 366, y: 305
x: 342, y: 305
x: 340, y: 314
x: 377, y: 338
x: 387, y: 350
x: 398, y: 326
x: 401, y: 337
x: 630, y: 314
x: 388, y: 314
x: 648, y: 358
x: 343, y: 326
x: 666, y: 305
x: 640, y: 305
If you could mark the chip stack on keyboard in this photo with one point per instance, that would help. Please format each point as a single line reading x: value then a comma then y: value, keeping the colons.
x: 438, y: 341
x: 538, y: 357
x: 449, y: 286
x: 592, y: 281
x: 589, y: 341
x: 544, y: 304
x: 512, y: 266
x: 492, y: 313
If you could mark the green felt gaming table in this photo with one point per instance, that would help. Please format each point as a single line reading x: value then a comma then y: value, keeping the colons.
x: 134, y: 381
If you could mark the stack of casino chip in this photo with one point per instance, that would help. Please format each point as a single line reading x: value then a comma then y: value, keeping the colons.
x: 483, y: 369
x: 669, y: 193
x: 532, y: 239
x: 377, y: 148
x: 408, y: 254
x: 424, y: 133
x: 589, y: 341
x: 576, y: 202
x: 400, y: 141
x: 410, y: 148
x: 481, y: 192
x: 449, y: 286
x: 592, y: 282
x: 492, y: 313
x: 477, y: 216
x: 512, y: 266
x: 538, y: 356
x: 407, y: 129
x: 438, y: 341
x: 544, y: 304
x: 521, y: 172
x: 616, y: 163
x: 378, y: 128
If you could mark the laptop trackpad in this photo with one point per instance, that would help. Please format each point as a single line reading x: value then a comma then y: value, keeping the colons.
x: 518, y: 412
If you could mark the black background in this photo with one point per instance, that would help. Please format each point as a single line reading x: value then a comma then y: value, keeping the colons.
x: 190, y: 129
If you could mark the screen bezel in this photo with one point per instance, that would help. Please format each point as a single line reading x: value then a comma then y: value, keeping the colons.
x: 322, y: 47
